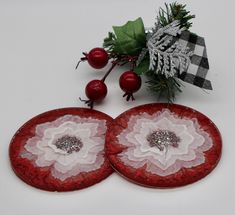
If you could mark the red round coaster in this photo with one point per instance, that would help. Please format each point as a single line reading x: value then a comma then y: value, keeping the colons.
x: 62, y: 150
x: 163, y: 146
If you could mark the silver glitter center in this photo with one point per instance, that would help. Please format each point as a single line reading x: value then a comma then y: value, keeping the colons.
x: 163, y: 139
x: 69, y: 144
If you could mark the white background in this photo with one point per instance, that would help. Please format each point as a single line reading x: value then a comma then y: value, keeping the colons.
x: 40, y: 43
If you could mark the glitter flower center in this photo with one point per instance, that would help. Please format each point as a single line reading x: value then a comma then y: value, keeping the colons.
x: 163, y: 139
x: 69, y: 144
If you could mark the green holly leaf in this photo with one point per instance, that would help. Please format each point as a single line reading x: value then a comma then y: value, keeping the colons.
x: 143, y: 67
x: 130, y: 38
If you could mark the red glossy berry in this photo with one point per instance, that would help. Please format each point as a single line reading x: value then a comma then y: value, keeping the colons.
x: 97, y: 58
x: 129, y: 82
x: 96, y: 90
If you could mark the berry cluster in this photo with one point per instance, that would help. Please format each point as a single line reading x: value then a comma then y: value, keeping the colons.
x: 96, y: 90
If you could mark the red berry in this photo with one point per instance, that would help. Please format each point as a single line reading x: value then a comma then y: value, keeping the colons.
x: 129, y: 82
x: 97, y: 58
x: 96, y: 90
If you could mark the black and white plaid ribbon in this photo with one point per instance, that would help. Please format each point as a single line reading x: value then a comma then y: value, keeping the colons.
x: 199, y: 65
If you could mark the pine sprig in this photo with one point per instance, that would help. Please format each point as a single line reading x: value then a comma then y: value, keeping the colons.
x: 158, y: 82
x: 166, y: 87
x: 110, y: 44
x: 175, y: 11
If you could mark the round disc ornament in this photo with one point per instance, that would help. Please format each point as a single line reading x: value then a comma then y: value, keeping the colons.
x: 62, y: 150
x: 163, y: 146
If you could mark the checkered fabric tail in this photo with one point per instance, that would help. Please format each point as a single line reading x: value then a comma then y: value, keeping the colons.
x: 199, y: 65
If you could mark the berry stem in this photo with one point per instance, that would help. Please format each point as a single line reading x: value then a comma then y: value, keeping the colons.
x: 78, y: 64
x: 82, y: 59
x: 114, y: 63
x: 125, y: 60
x: 133, y: 65
x: 129, y: 96
x: 89, y: 103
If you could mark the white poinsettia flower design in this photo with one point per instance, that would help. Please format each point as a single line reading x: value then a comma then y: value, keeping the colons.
x: 69, y: 145
x: 163, y: 142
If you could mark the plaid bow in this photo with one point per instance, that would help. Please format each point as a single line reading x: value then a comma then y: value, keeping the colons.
x: 199, y: 65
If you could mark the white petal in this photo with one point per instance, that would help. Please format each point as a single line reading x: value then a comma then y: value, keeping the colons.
x: 50, y: 154
x: 78, y: 168
x: 31, y: 146
x: 41, y: 162
x: 67, y: 159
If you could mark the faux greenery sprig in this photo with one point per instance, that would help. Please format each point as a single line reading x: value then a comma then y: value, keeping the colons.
x: 175, y: 11
x: 128, y: 44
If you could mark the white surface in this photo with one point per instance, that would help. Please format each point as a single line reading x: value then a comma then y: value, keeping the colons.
x: 40, y: 43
